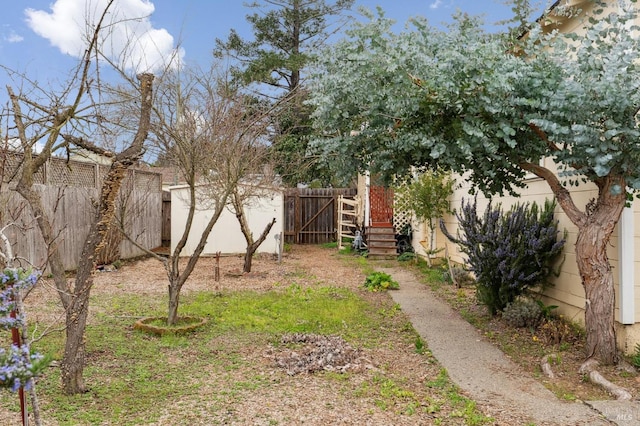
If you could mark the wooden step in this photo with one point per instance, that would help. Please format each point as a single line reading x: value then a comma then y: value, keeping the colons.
x: 378, y: 253
x: 381, y: 250
x: 382, y: 243
x: 383, y: 229
x: 381, y: 234
x: 381, y: 240
x: 381, y: 225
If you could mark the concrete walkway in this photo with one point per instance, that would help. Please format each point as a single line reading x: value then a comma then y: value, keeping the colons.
x: 486, y: 375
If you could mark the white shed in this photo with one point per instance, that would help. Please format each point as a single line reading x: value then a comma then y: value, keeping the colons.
x: 226, y: 236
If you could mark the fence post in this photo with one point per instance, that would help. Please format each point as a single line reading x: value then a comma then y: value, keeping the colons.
x: 297, y: 221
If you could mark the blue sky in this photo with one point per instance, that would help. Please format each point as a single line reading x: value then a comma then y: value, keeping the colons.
x: 195, y: 24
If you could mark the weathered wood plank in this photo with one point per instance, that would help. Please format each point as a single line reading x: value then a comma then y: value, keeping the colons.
x: 311, y: 214
x: 71, y: 204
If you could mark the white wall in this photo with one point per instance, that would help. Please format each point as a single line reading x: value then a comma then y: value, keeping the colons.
x: 226, y: 235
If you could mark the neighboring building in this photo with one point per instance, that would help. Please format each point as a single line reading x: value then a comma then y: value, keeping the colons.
x: 86, y: 156
x: 624, y: 249
x: 226, y: 236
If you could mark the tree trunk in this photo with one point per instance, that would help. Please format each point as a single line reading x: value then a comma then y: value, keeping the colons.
x: 174, y: 300
x: 248, y: 258
x: 595, y: 270
x: 172, y: 266
x: 252, y: 246
x: 595, y: 226
x: 597, y: 280
x: 72, y: 364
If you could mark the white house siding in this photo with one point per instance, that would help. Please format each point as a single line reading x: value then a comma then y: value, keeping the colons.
x: 567, y: 291
x: 226, y: 236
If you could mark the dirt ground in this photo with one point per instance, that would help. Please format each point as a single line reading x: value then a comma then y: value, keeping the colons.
x: 290, y: 399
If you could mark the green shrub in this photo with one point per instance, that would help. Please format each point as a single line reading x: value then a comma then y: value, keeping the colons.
x: 547, y: 310
x: 635, y: 358
x: 523, y: 313
x: 509, y: 253
x: 406, y: 256
x: 377, y: 281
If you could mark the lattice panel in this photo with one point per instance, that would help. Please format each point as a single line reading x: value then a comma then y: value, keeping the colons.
x: 147, y: 181
x: 60, y: 172
x: 72, y: 173
x: 401, y: 218
x: 10, y: 163
x: 102, y: 173
x: 127, y: 184
x: 381, y: 204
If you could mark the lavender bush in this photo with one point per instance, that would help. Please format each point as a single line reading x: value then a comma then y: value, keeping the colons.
x: 18, y: 366
x: 509, y: 253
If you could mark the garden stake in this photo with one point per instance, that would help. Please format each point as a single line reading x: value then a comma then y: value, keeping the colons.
x: 216, y: 274
x: 453, y: 278
x: 15, y: 337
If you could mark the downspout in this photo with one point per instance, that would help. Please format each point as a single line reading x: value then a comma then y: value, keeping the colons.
x: 626, y: 249
x: 367, y: 205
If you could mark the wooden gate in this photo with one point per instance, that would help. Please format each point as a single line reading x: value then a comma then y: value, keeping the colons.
x: 311, y: 215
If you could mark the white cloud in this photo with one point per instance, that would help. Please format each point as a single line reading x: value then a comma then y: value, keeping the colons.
x: 436, y: 4
x: 128, y: 37
x: 14, y: 144
x: 14, y: 37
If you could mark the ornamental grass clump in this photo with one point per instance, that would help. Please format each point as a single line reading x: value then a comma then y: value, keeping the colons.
x: 509, y: 253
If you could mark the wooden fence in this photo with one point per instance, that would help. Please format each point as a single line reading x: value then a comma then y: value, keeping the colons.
x: 69, y: 191
x: 311, y: 215
x: 166, y: 219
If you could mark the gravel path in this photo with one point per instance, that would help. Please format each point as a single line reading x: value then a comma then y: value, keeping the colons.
x: 482, y: 370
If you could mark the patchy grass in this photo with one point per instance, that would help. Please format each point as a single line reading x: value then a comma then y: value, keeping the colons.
x: 224, y: 372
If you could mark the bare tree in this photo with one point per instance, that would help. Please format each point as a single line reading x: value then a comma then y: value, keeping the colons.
x: 64, y: 121
x: 255, y: 185
x: 210, y: 133
x: 73, y: 359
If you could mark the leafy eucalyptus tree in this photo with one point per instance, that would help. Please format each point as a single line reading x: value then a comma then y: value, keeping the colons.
x: 491, y: 108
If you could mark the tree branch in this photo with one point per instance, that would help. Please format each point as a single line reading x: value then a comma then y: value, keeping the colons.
x: 561, y: 193
x: 89, y: 146
x: 542, y: 135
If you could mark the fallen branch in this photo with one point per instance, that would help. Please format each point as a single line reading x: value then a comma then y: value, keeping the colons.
x: 546, y: 366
